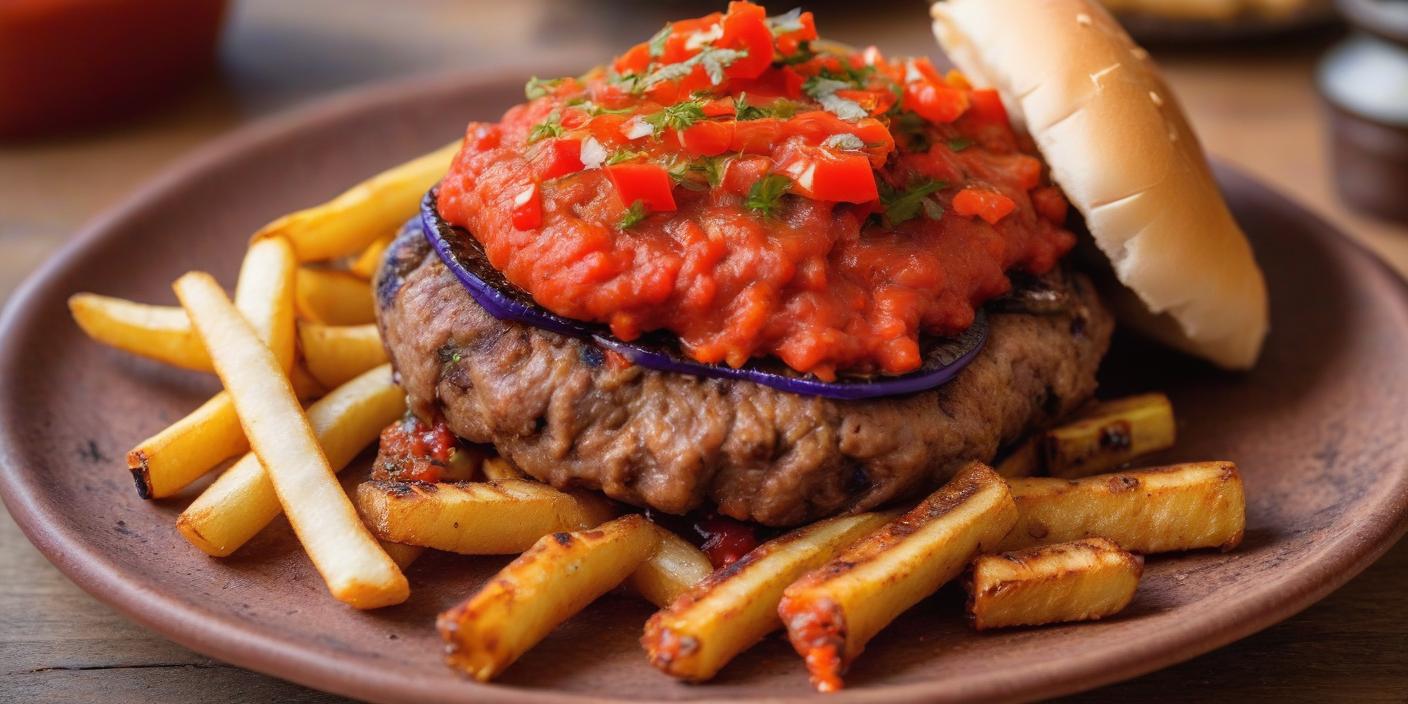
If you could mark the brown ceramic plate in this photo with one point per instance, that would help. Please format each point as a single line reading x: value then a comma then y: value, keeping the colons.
x: 1318, y: 429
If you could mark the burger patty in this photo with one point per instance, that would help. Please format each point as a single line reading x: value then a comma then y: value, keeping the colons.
x: 568, y: 415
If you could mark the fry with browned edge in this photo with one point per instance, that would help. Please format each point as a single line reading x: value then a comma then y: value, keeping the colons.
x: 1083, y: 580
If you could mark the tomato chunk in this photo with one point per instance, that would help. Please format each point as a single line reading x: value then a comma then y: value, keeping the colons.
x: 707, y: 138
x: 821, y: 174
x: 559, y: 157
x: 746, y: 29
x: 991, y: 206
x: 935, y: 101
x: 647, y: 183
x: 527, y: 213
x: 987, y: 106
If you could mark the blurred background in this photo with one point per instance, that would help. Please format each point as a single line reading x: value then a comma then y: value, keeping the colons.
x: 96, y: 96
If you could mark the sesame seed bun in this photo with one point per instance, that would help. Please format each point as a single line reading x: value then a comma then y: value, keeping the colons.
x: 1120, y: 147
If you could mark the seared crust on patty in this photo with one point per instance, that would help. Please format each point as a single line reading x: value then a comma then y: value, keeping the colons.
x: 565, y: 414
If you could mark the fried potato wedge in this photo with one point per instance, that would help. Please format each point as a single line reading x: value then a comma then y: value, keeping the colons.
x: 333, y: 298
x: 1161, y: 509
x: 1023, y: 460
x: 832, y: 612
x: 671, y: 570
x: 1082, y: 580
x: 242, y: 501
x: 349, y: 223
x: 161, y: 333
x: 337, y: 353
x: 501, y: 518
x: 498, y: 469
x: 733, y: 608
x: 558, y: 576
x: 1111, y: 434
x: 355, y: 568
x: 366, y: 263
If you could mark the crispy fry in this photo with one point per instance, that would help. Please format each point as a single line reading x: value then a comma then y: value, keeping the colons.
x: 1178, y: 507
x: 357, y: 571
x: 1083, y: 580
x: 498, y: 469
x: 242, y: 501
x: 264, y: 295
x: 336, y: 353
x: 366, y: 263
x: 470, y: 518
x: 1111, y: 434
x: 162, y: 333
x: 402, y: 555
x: 347, y: 224
x: 333, y: 298
x: 832, y: 612
x: 736, y: 606
x: 556, y: 578
x: 674, y: 567
x: 1023, y: 461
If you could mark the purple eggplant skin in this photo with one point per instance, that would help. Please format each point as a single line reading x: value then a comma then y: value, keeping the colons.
x: 464, y: 256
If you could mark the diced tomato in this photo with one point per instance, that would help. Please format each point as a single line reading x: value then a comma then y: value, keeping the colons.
x: 988, y: 107
x: 741, y: 173
x: 720, y: 107
x: 746, y: 28
x: 814, y: 126
x: 671, y: 92
x: 725, y: 539
x: 1028, y: 172
x: 527, y: 213
x: 935, y: 101
x: 822, y: 174
x: 708, y: 138
x: 756, y: 136
x: 1051, y: 204
x: 681, y: 32
x: 648, y: 183
x: 991, y: 206
x: 926, y: 69
x: 780, y: 82
x: 955, y: 78
x: 635, y: 60
x: 481, y: 137
x: 559, y: 157
x: 874, y: 102
x: 789, y: 42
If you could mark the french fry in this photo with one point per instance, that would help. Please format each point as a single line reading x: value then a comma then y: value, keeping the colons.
x: 1082, y: 580
x: 1178, y: 507
x: 470, y: 518
x: 349, y: 223
x: 1023, y: 461
x: 162, y: 333
x: 1111, y: 434
x: 169, y: 461
x: 336, y: 353
x: 832, y: 612
x: 558, y: 576
x: 333, y: 298
x: 366, y: 263
x: 242, y: 501
x: 357, y: 571
x: 734, y: 607
x: 498, y: 469
x: 674, y: 567
x: 402, y: 555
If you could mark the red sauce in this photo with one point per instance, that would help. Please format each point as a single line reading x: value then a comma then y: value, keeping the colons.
x: 824, y: 209
x: 412, y: 450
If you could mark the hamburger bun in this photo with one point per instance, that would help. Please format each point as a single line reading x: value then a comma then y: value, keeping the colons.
x: 1120, y: 147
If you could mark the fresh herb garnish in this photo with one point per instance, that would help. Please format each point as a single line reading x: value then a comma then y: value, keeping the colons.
x: 623, y: 155
x: 742, y: 111
x: 904, y: 205
x: 541, y: 87
x: 685, y: 172
x: 790, y: 21
x: 844, y: 141
x: 803, y: 54
x: 823, y: 90
x: 765, y: 197
x: 550, y: 127
x: 678, y: 116
x: 633, y: 215
x: 958, y: 144
x: 657, y: 42
x: 932, y: 209
x: 915, y: 129
x: 713, y: 59
x: 629, y: 82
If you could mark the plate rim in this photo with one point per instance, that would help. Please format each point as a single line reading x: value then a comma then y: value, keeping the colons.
x: 1253, y: 609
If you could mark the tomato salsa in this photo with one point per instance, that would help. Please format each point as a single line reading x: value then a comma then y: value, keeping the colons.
x: 758, y: 193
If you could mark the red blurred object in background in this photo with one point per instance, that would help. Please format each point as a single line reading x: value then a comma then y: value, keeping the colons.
x: 74, y: 63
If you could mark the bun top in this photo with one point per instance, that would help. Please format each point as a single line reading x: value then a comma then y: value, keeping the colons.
x: 1119, y: 146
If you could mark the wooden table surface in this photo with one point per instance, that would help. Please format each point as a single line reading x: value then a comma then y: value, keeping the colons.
x: 1254, y: 107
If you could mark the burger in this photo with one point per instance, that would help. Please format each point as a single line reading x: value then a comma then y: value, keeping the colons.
x: 745, y: 271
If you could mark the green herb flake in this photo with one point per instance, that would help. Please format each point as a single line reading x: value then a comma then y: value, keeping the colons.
x: 823, y: 90
x: 714, y: 60
x: 958, y: 144
x: 678, y: 116
x: 803, y: 54
x: 743, y: 112
x: 657, y: 42
x: 623, y: 155
x: 765, y: 197
x: 932, y: 209
x: 550, y: 127
x: 541, y: 88
x: 901, y: 206
x: 790, y: 21
x: 633, y: 215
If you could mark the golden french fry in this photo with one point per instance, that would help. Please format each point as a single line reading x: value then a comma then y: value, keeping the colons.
x: 336, y: 353
x: 1023, y: 461
x: 734, y: 607
x: 471, y: 518
x: 347, y: 224
x: 832, y: 612
x: 1178, y: 507
x: 671, y: 570
x: 357, y: 571
x: 558, y: 576
x: 333, y: 298
x: 162, y: 333
x: 498, y: 469
x: 1082, y: 580
x: 242, y: 501
x: 366, y: 263
x: 1111, y: 434
x: 264, y: 295
x: 402, y: 555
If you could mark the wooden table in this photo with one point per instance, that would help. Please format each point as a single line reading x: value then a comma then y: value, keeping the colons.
x: 1255, y: 108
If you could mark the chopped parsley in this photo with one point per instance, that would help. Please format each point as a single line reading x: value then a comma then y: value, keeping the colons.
x: 678, y: 116
x: 803, y: 54
x: 540, y: 87
x: 551, y: 127
x: 904, y: 205
x: 743, y: 111
x: 685, y: 173
x: 765, y: 197
x: 713, y: 59
x: 790, y: 21
x: 633, y: 215
x: 623, y: 155
x: 958, y: 144
x: 824, y: 91
x: 657, y: 42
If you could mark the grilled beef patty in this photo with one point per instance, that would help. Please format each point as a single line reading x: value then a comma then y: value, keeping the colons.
x: 566, y: 414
